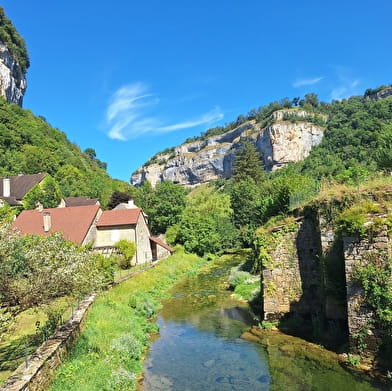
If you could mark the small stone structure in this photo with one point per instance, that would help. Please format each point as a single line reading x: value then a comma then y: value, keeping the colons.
x: 297, y: 280
x: 292, y: 282
x: 38, y: 374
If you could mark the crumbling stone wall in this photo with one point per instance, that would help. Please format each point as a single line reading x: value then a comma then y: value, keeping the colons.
x: 281, y: 279
x: 291, y: 281
x: 363, y: 336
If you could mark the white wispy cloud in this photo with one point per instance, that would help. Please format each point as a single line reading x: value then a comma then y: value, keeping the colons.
x: 346, y: 89
x: 128, y: 114
x: 205, y: 119
x: 307, y: 82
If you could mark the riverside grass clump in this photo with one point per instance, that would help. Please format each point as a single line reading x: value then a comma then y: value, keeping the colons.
x: 108, y: 356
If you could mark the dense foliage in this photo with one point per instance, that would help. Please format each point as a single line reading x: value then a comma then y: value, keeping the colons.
x: 15, y: 43
x: 205, y: 225
x: 357, y: 131
x: 34, y: 270
x: 163, y: 204
x: 28, y: 145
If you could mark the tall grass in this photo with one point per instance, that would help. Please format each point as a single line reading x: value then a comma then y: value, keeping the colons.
x: 109, y: 353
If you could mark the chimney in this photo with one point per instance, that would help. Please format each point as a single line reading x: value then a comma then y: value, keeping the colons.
x: 47, y: 222
x: 6, y: 187
x: 39, y: 206
x: 131, y: 205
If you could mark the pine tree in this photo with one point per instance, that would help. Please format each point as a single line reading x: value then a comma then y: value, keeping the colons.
x: 247, y: 163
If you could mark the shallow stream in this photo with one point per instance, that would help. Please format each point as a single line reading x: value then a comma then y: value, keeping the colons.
x: 205, y: 345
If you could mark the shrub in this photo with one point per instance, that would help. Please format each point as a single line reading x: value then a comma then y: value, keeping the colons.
x: 127, y: 249
x: 237, y: 277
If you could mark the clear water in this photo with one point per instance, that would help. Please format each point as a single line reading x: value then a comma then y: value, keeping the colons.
x: 200, y: 347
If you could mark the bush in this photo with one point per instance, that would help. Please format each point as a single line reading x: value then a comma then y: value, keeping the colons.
x: 237, y: 277
x: 128, y: 250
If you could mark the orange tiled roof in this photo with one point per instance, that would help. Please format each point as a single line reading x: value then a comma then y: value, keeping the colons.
x: 115, y: 217
x: 74, y: 222
x: 161, y: 243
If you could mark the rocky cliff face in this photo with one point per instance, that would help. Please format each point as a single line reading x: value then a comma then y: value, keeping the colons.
x: 12, y: 79
x: 200, y: 161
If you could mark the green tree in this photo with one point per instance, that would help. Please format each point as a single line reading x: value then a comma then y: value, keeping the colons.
x: 247, y: 162
x: 47, y: 193
x: 72, y: 181
x: 34, y: 270
x: 166, y: 205
x: 383, y: 154
x: 245, y: 201
x: 117, y: 198
x: 205, y: 225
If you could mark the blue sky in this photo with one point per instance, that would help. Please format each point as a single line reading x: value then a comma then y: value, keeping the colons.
x: 130, y: 78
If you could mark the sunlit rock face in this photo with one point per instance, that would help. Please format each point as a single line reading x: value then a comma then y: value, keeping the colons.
x: 201, y: 161
x: 12, y: 80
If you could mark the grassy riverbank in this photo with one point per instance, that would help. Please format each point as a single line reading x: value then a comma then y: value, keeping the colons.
x: 108, y: 356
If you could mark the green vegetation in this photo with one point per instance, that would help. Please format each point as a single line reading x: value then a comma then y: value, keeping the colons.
x: 28, y: 145
x: 47, y: 193
x: 163, y: 205
x: 127, y: 251
x: 35, y: 270
x: 245, y: 285
x: 108, y: 355
x: 375, y: 279
x: 15, y: 43
x: 205, y: 224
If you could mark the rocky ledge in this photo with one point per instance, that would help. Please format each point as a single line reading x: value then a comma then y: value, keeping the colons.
x: 289, y: 137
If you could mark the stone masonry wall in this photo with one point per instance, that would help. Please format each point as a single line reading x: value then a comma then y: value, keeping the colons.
x: 281, y: 279
x: 37, y: 376
x: 291, y: 282
x: 359, y: 315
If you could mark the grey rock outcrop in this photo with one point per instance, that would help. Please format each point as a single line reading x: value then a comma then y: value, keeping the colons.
x: 381, y: 94
x: 207, y: 159
x: 12, y: 80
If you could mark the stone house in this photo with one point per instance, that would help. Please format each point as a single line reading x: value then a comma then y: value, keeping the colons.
x: 129, y: 224
x: 14, y: 188
x: 77, y: 223
x: 90, y: 224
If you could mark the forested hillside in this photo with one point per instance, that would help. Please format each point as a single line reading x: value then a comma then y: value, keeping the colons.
x: 28, y: 145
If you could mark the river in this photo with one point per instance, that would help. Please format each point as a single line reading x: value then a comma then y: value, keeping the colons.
x: 205, y: 345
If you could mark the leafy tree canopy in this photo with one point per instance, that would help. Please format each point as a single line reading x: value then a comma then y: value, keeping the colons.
x: 15, y: 43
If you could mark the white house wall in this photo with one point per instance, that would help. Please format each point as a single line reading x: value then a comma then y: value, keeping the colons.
x: 110, y: 235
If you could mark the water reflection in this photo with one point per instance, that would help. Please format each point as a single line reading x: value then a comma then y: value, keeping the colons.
x: 200, y: 347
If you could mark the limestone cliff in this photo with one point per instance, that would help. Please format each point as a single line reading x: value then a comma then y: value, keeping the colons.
x: 12, y: 78
x: 288, y: 137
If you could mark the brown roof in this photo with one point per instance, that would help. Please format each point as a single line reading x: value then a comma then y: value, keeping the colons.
x: 159, y: 242
x: 21, y: 184
x: 74, y: 222
x: 80, y: 201
x: 115, y: 217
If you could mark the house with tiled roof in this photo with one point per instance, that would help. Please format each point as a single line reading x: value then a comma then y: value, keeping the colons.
x: 126, y: 222
x: 89, y: 224
x: 76, y: 223
x: 14, y: 188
